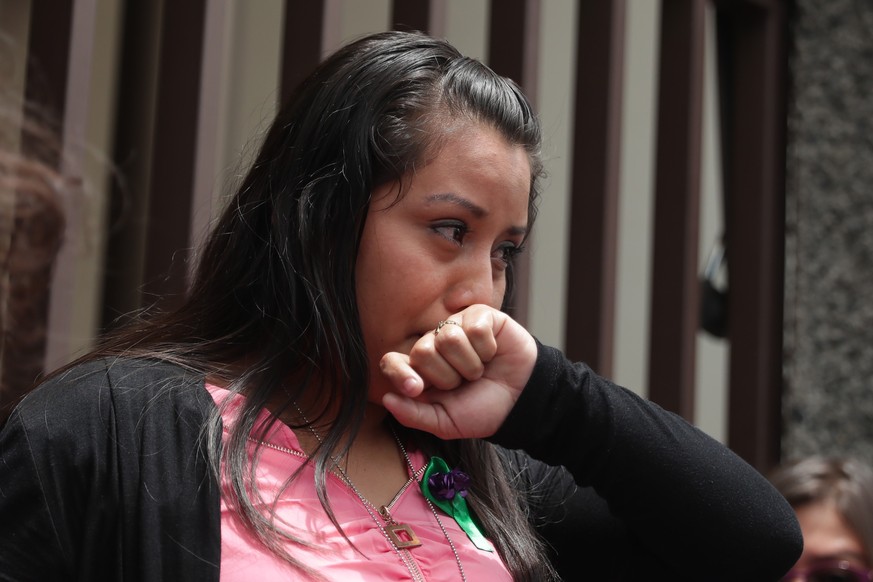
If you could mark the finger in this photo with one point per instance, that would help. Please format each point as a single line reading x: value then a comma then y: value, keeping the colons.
x: 420, y: 415
x: 432, y: 366
x: 478, y: 324
x: 395, y: 366
x: 454, y: 345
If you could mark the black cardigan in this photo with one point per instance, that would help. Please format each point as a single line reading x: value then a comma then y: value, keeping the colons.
x: 103, y: 477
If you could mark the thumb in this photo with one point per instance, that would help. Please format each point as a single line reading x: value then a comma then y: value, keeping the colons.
x: 424, y: 416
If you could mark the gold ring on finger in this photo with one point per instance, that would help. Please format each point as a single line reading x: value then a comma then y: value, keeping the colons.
x: 444, y: 323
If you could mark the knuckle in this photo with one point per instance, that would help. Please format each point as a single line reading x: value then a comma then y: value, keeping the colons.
x: 474, y: 372
x: 451, y: 335
x: 446, y: 379
x: 421, y: 353
x: 479, y: 330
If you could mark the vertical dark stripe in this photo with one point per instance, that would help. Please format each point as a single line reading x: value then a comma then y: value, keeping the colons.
x: 134, y: 127
x: 675, y: 295
x: 302, y: 44
x: 513, y: 45
x: 755, y: 171
x: 174, y: 152
x: 513, y: 49
x: 594, y: 204
x: 412, y: 15
x: 48, y: 54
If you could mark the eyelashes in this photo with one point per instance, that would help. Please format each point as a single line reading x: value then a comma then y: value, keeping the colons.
x: 455, y: 231
x: 510, y: 252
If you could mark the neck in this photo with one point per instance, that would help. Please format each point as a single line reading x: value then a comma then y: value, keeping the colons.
x: 373, y: 458
x: 374, y: 462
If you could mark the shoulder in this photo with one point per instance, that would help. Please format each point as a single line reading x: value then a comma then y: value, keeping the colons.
x: 120, y: 371
x: 102, y: 392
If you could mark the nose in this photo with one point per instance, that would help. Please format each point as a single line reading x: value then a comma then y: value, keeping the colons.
x: 475, y: 281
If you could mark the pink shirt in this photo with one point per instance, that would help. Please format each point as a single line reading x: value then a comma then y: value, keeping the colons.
x: 244, y: 558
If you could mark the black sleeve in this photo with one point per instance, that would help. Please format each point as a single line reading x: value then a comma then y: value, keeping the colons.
x: 630, y: 491
x: 54, y: 487
x: 102, y: 477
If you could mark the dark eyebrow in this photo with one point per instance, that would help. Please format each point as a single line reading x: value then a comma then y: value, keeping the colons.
x: 475, y: 209
x: 841, y: 555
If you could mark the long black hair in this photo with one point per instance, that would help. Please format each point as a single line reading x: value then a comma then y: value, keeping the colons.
x: 275, y: 282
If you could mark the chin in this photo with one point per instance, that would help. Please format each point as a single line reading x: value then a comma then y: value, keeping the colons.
x: 375, y: 397
x: 377, y: 391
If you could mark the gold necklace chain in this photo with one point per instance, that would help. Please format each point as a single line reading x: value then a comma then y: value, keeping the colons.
x: 432, y: 508
x: 404, y: 554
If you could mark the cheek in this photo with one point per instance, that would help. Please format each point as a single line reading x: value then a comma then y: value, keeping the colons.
x: 501, y: 286
x: 391, y: 286
x: 384, y: 272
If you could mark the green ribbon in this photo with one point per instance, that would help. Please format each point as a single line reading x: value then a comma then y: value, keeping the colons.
x: 456, y: 507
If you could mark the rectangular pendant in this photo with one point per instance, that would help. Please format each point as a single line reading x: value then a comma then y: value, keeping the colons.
x: 402, y: 536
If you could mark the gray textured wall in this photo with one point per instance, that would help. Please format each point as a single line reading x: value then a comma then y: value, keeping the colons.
x: 828, y: 406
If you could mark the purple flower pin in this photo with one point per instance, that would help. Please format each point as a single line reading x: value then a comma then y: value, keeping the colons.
x: 445, y: 485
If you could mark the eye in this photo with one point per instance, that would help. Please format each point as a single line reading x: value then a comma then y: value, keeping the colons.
x: 505, y: 254
x: 454, y: 231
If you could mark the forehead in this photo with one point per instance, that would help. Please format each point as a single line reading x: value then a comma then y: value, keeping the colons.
x: 479, y: 151
x: 474, y: 160
x: 478, y: 144
x: 826, y: 532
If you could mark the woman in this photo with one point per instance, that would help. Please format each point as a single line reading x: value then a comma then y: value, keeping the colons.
x: 342, y: 369
x: 833, y: 499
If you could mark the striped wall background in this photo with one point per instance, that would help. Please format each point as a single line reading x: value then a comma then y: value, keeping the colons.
x: 664, y: 121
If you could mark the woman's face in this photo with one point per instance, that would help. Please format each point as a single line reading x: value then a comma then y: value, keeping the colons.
x: 828, y: 538
x: 445, y: 245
